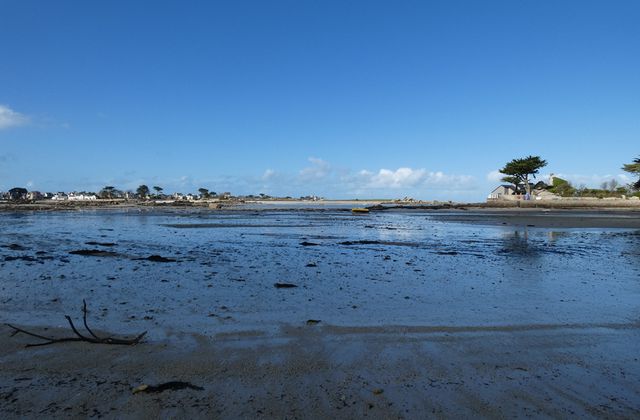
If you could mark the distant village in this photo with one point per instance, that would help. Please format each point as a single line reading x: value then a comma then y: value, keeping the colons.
x: 19, y: 194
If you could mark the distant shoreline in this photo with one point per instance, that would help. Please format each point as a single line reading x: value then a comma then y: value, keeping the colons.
x: 372, y: 205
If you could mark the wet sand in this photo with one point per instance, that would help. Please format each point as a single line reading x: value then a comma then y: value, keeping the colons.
x: 546, y: 219
x: 319, y: 372
x: 445, y: 314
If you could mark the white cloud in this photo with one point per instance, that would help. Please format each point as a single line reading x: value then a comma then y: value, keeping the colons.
x: 319, y: 169
x: 322, y: 178
x: 495, y: 176
x: 10, y: 118
x: 407, y: 178
x: 400, y: 178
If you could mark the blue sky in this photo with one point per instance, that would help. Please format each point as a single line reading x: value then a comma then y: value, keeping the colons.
x: 337, y: 98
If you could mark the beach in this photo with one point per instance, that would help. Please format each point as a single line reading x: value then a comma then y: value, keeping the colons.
x: 303, y: 313
x: 552, y: 371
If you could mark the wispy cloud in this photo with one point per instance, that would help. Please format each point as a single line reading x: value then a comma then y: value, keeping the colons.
x: 409, y: 178
x: 268, y: 174
x: 495, y: 176
x: 318, y: 169
x: 10, y: 118
x: 321, y: 177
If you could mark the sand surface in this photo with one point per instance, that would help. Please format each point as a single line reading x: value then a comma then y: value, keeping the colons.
x: 446, y: 314
x: 319, y: 372
x: 545, y: 219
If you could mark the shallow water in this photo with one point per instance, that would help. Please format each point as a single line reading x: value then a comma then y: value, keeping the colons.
x: 376, y: 270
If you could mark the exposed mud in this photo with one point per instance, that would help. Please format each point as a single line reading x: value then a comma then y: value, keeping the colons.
x: 94, y: 243
x: 443, y: 316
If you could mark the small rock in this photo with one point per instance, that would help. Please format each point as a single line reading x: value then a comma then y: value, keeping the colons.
x: 284, y: 285
x: 16, y: 247
x: 158, y: 258
x: 447, y: 253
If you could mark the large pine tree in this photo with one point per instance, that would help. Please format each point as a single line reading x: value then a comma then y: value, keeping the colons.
x: 518, y: 171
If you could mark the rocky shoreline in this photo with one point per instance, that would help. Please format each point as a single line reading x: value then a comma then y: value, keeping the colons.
x: 372, y: 205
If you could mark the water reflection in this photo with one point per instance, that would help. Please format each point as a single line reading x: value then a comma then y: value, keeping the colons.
x: 553, y: 236
x: 535, y: 243
x: 518, y: 243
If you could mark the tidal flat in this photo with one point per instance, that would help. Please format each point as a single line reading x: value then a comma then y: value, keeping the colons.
x: 307, y: 313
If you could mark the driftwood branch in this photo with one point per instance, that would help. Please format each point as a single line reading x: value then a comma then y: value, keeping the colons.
x: 79, y: 336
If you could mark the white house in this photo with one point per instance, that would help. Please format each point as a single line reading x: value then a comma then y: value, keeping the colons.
x: 81, y: 197
x: 502, y: 192
x: 60, y: 196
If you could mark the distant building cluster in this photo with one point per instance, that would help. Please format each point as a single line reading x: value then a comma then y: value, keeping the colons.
x: 110, y: 193
x: 22, y: 194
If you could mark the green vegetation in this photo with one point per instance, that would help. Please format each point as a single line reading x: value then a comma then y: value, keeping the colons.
x: 109, y: 192
x: 608, y: 189
x: 562, y: 187
x: 634, y: 168
x: 512, y: 180
x: 143, y: 192
x: 518, y: 171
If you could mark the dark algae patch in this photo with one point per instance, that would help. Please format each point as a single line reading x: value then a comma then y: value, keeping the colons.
x: 93, y: 253
x: 157, y: 258
x: 15, y: 247
x: 374, y: 242
x: 167, y: 386
x: 284, y: 285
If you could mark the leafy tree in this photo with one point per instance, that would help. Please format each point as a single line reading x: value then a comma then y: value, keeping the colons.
x: 521, y: 169
x: 158, y: 191
x: 512, y: 180
x: 633, y: 168
x: 143, y: 191
x: 18, y: 193
x: 107, y: 192
x: 562, y: 187
x: 204, y: 193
